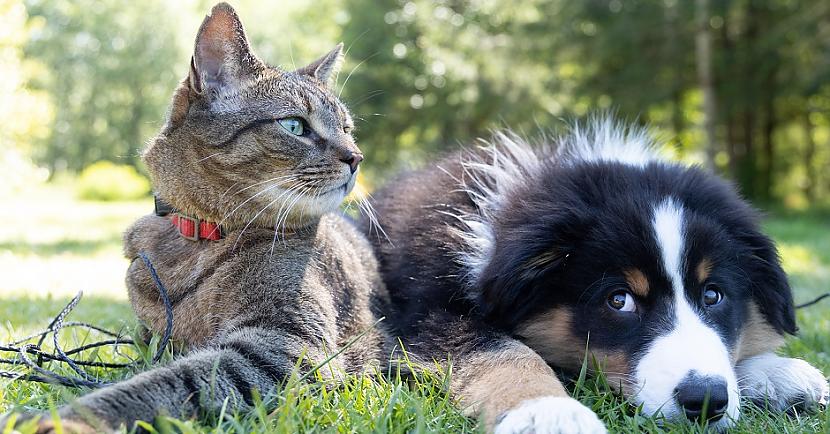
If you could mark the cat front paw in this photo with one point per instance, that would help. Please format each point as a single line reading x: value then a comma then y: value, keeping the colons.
x: 782, y: 383
x: 550, y: 415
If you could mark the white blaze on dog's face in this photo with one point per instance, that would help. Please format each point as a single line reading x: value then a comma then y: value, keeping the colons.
x: 691, y: 360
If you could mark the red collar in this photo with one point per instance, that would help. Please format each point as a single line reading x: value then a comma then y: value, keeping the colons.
x: 194, y: 229
x: 189, y: 227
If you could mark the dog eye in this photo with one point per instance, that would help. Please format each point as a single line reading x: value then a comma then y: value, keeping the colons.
x: 622, y: 301
x: 712, y: 295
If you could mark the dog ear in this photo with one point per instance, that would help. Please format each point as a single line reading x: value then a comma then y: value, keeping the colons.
x: 509, y: 284
x: 769, y: 284
x: 758, y: 260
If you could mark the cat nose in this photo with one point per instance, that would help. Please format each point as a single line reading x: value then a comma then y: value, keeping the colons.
x: 703, y: 397
x: 353, y: 159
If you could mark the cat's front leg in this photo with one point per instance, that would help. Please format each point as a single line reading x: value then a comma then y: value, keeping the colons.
x: 227, y: 374
x: 781, y: 382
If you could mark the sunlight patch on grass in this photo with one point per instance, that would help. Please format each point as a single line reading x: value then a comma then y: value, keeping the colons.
x: 797, y: 258
x: 53, y: 244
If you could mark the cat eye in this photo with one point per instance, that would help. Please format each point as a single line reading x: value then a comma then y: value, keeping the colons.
x: 347, y: 129
x: 712, y: 295
x: 293, y: 125
x: 622, y: 300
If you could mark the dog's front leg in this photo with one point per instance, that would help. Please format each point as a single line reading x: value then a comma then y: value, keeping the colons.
x: 781, y: 382
x: 500, y: 380
x: 515, y: 391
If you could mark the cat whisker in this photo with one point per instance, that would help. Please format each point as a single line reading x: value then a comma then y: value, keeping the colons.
x: 239, y: 237
x: 269, y: 188
x: 281, y: 224
x: 311, y: 197
x: 280, y: 211
x: 209, y: 156
x: 285, y: 211
x: 343, y: 86
x: 277, y: 178
x: 369, y: 95
x: 347, y: 208
x: 291, y: 53
x: 277, y: 225
x: 346, y: 55
x: 368, y: 210
x: 229, y: 189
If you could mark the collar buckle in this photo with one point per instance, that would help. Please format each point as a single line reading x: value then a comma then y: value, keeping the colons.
x: 194, y: 221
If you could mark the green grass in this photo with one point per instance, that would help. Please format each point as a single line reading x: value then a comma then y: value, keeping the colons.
x: 54, y: 245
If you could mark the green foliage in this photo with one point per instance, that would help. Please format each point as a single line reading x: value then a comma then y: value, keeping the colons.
x: 442, y: 72
x: 26, y: 113
x: 110, y: 68
x: 106, y: 181
x: 423, y: 76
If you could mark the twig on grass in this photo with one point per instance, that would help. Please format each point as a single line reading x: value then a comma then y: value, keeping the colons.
x: 22, y: 349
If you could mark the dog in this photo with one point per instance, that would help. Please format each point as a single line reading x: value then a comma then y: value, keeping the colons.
x: 511, y: 259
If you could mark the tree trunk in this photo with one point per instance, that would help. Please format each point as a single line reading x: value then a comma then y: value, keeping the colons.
x: 672, y: 52
x: 727, y: 47
x: 752, y: 61
x: 703, y: 48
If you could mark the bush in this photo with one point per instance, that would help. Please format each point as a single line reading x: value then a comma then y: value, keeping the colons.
x: 111, y: 182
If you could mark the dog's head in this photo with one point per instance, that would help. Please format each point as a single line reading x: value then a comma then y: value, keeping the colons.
x: 659, y: 270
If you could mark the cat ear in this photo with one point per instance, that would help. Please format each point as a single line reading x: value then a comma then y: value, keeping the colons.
x: 325, y: 67
x: 221, y: 57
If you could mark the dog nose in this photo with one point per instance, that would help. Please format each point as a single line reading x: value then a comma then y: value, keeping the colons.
x: 353, y: 159
x: 703, y: 396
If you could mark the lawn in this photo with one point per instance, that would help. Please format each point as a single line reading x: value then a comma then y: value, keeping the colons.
x: 51, y: 246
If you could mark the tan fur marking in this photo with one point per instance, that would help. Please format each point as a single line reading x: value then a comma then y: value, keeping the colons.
x: 543, y: 259
x: 637, y: 281
x: 616, y: 367
x: 550, y: 334
x: 540, y: 261
x: 492, y: 383
x: 704, y: 268
x: 757, y: 336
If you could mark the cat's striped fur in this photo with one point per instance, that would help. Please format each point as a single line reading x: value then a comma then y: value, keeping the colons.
x: 288, y: 282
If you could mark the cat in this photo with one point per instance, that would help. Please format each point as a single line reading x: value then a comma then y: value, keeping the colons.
x: 264, y: 156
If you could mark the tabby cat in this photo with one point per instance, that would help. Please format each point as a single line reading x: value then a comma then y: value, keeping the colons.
x: 264, y: 155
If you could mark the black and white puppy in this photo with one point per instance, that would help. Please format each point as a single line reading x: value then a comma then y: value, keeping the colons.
x: 510, y: 259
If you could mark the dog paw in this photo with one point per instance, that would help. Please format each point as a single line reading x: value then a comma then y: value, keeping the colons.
x: 782, y: 383
x: 550, y: 415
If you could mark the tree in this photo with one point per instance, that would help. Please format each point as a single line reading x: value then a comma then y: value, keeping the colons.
x: 110, y: 70
x: 703, y: 45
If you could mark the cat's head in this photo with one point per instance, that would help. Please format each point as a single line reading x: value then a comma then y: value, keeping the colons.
x: 248, y: 142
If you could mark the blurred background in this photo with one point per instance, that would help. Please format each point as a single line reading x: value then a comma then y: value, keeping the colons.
x: 741, y: 86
